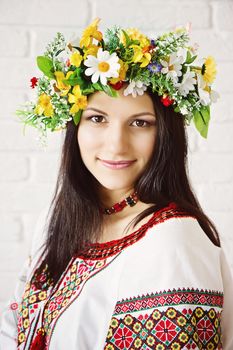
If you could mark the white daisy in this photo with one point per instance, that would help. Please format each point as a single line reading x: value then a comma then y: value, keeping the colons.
x: 207, y: 96
x: 182, y: 54
x: 173, y: 67
x: 104, y: 66
x: 135, y: 88
x: 187, y: 84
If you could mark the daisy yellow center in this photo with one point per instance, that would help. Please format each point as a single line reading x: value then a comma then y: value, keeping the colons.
x: 171, y: 67
x: 103, y: 66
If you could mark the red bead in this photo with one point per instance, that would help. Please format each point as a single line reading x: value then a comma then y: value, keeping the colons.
x: 131, y: 200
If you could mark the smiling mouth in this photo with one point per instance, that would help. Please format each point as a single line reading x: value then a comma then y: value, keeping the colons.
x: 117, y: 164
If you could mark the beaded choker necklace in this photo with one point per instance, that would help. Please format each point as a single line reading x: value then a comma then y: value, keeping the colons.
x: 130, y: 200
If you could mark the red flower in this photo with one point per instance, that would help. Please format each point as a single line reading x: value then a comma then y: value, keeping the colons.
x: 33, y: 81
x: 118, y: 85
x: 123, y: 338
x: 166, y: 330
x: 68, y: 62
x: 166, y: 101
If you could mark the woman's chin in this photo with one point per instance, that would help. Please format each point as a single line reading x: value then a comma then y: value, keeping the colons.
x: 115, y: 185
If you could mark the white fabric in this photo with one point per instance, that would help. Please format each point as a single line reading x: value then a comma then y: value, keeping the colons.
x: 8, y: 330
x: 173, y: 254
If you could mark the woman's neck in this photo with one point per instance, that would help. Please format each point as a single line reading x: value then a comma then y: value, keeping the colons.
x: 111, y: 197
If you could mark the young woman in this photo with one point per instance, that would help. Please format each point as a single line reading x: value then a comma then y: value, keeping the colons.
x: 129, y: 259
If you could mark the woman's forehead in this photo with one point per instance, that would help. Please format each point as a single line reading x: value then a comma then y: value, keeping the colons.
x: 104, y: 102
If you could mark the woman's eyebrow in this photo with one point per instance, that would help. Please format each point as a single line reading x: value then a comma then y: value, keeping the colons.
x: 133, y: 115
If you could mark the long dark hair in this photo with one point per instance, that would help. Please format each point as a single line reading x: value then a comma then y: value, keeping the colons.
x: 75, y: 218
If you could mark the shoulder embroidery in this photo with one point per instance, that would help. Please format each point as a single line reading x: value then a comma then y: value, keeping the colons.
x: 173, y: 319
x: 104, y: 250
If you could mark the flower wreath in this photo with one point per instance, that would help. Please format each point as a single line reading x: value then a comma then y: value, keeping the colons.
x: 165, y: 64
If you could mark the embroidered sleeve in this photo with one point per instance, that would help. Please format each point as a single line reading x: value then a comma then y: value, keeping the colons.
x: 227, y: 315
x: 173, y: 319
x: 187, y: 313
x: 8, y: 331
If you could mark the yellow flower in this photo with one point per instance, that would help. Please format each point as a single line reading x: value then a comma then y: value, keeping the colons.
x: 91, y: 50
x: 44, y: 106
x: 79, y: 101
x: 135, y: 34
x: 209, y: 70
x: 122, y: 72
x: 141, y: 51
x: 76, y: 59
x: 90, y: 33
x: 61, y: 86
x: 141, y: 55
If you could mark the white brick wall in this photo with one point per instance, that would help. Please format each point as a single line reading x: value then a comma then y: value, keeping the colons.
x: 27, y: 176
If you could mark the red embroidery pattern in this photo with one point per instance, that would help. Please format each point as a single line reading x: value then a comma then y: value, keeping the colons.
x: 170, y: 298
x: 104, y: 250
x: 166, y: 327
x: 35, y: 292
x: 69, y: 287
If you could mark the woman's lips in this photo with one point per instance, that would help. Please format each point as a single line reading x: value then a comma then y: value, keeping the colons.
x: 117, y: 164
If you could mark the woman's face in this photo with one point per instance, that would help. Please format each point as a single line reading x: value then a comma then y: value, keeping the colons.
x: 116, y: 137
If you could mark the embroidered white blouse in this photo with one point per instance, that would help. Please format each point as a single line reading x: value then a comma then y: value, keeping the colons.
x: 164, y: 286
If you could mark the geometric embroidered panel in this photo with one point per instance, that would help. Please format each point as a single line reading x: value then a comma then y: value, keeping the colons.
x: 167, y: 327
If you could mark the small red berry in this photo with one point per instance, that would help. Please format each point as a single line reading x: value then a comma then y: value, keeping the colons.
x: 33, y: 81
x: 166, y: 101
x: 118, y: 85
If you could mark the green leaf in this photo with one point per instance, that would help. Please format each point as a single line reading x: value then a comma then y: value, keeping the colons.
x: 176, y: 109
x: 109, y: 91
x: 190, y: 58
x: 78, y: 71
x: 88, y: 91
x: 127, y: 38
x: 45, y: 64
x: 201, y: 121
x: 76, y: 78
x: 77, y: 117
x: 98, y: 86
x: 74, y: 81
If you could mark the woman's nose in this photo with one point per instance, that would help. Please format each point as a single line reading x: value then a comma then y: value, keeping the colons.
x: 117, y: 138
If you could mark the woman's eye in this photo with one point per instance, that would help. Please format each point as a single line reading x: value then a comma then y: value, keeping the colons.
x: 97, y: 119
x: 140, y: 123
